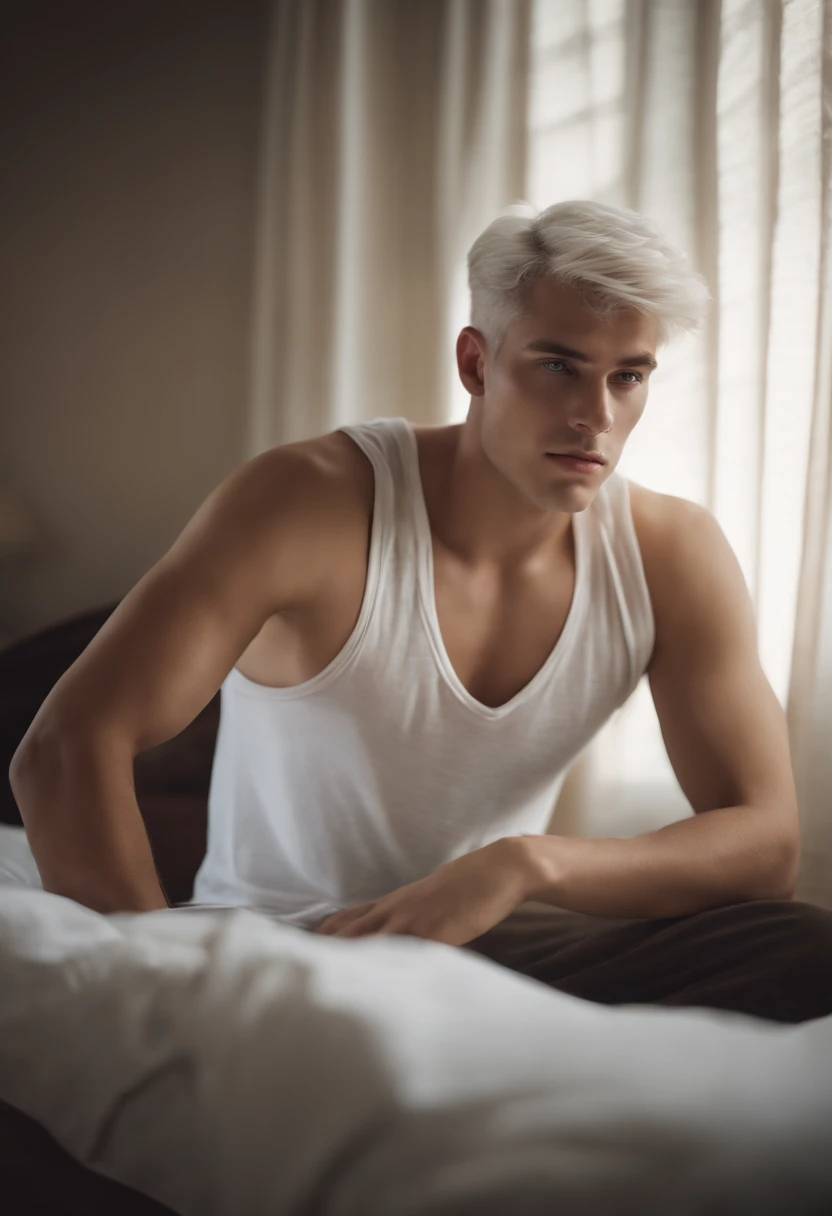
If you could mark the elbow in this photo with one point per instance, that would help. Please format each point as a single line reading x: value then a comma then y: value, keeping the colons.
x: 24, y: 763
x: 35, y: 757
x: 40, y: 758
x: 57, y: 753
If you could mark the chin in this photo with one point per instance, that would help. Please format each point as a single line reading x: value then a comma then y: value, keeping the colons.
x: 564, y: 496
x: 566, y: 499
x: 571, y: 504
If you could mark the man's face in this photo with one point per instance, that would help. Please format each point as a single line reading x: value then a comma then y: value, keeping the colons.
x: 533, y: 401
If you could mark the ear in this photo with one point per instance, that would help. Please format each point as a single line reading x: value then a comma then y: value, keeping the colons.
x: 471, y: 357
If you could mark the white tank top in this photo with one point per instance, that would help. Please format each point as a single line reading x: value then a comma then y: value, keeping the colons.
x: 383, y: 767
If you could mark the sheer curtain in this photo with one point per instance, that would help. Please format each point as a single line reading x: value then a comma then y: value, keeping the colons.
x: 715, y: 120
x: 393, y: 133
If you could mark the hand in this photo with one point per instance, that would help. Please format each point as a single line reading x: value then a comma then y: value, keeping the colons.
x: 455, y: 904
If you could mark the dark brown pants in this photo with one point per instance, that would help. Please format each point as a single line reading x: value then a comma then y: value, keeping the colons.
x: 770, y: 958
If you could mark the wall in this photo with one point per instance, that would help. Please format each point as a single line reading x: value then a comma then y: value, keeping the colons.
x: 129, y: 150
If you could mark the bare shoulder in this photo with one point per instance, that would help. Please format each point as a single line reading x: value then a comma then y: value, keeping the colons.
x: 666, y: 524
x: 300, y: 500
x: 656, y: 514
x: 272, y: 538
x: 334, y: 485
x: 692, y: 572
x: 330, y: 469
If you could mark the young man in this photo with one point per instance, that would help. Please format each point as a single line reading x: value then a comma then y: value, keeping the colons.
x: 416, y: 631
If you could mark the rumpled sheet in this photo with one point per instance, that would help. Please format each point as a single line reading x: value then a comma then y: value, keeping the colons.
x: 229, y: 1065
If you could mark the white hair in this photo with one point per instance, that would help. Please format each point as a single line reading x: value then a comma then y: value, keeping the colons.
x: 615, y: 258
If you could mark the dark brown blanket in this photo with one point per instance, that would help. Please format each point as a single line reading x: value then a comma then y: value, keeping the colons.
x: 37, y: 1178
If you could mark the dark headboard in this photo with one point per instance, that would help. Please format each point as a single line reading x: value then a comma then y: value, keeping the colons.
x: 172, y: 780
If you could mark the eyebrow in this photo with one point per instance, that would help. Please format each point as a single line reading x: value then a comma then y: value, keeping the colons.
x: 642, y: 359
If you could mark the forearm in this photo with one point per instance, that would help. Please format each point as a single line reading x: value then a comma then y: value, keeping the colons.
x: 723, y: 856
x: 85, y: 828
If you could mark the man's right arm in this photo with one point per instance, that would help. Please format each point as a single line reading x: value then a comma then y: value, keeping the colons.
x: 156, y: 662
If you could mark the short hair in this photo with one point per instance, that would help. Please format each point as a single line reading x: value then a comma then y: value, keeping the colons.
x: 614, y: 257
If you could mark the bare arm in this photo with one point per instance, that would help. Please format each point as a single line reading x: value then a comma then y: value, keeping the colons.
x: 157, y: 661
x: 727, y: 740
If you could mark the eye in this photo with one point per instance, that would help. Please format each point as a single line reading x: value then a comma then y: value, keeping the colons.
x: 636, y: 380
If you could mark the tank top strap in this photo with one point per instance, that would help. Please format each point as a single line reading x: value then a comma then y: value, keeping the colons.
x: 618, y: 538
x: 389, y: 444
x: 377, y: 439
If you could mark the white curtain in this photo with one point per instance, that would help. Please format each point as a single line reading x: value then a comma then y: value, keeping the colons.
x: 715, y: 120
x: 393, y: 133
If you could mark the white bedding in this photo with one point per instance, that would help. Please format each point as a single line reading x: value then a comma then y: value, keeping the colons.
x: 227, y: 1064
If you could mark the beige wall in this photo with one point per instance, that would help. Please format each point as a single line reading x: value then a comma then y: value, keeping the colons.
x: 128, y: 146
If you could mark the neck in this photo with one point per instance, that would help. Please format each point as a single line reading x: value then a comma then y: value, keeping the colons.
x: 475, y: 512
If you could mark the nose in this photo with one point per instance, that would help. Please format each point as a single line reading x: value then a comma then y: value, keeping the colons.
x: 591, y: 412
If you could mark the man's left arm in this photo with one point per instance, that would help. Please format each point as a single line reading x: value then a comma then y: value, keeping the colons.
x: 726, y: 737
x: 727, y: 740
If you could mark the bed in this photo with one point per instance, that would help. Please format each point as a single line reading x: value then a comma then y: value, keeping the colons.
x: 172, y: 790
x: 217, y: 1061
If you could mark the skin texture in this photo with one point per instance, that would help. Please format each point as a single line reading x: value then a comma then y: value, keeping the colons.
x: 269, y: 575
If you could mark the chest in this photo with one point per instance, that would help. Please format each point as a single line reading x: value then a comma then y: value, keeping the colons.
x: 498, y: 629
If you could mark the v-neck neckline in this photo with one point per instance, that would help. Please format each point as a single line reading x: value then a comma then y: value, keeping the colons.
x: 430, y: 616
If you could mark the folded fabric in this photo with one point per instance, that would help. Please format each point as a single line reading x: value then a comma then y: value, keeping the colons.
x: 229, y: 1065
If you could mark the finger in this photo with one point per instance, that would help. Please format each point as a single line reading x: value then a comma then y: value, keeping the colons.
x: 344, y: 917
x: 362, y: 926
x: 378, y: 926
